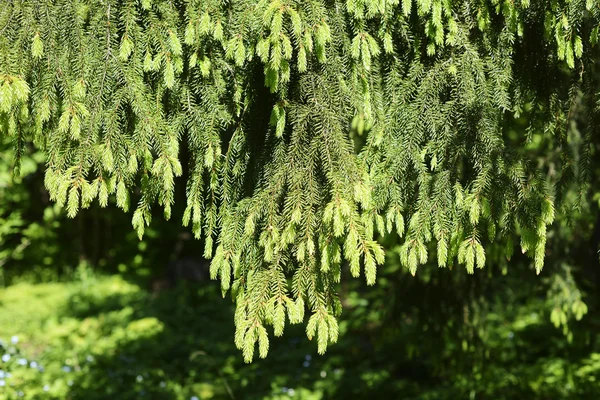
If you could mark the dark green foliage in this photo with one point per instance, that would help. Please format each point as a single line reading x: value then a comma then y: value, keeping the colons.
x: 375, y: 117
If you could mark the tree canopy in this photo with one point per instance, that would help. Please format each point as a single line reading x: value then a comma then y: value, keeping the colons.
x: 306, y: 130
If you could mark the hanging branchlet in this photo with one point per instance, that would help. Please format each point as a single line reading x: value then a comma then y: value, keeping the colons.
x: 377, y: 117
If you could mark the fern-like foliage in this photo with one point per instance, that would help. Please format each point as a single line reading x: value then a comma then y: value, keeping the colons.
x: 312, y: 127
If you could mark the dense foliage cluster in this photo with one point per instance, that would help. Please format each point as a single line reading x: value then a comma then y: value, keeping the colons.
x: 307, y: 129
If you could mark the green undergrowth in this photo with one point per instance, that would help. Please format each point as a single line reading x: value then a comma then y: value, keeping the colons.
x: 106, y: 337
x: 100, y: 337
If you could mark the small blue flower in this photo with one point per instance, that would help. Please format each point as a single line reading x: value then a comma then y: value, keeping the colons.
x: 511, y: 335
x: 20, y: 393
x: 6, y: 357
x: 2, y: 383
x: 139, y: 378
x: 162, y: 384
x: 41, y: 369
x: 291, y: 392
x: 14, y: 339
x: 194, y: 398
x: 66, y: 368
x: 306, y: 364
x: 33, y: 364
x: 89, y: 358
x: 1, y: 374
x: 46, y: 388
x: 22, y: 361
x: 308, y: 357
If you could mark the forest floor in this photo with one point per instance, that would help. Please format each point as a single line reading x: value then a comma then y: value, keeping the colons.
x: 104, y: 336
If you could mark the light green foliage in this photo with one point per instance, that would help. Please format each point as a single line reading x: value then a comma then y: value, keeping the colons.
x: 385, y: 116
x: 568, y: 303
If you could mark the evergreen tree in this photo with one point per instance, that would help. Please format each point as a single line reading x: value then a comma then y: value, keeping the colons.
x: 312, y: 128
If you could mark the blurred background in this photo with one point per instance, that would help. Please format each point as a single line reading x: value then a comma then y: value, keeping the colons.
x: 87, y: 311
